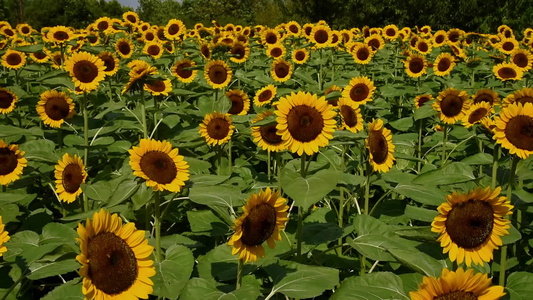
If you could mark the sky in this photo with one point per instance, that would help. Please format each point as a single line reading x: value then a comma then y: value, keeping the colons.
x: 131, y: 3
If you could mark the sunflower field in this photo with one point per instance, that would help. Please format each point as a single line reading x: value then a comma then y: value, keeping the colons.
x: 246, y: 162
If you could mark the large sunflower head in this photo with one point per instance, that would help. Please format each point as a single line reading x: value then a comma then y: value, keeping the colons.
x: 423, y: 46
x: 111, y: 62
x: 139, y: 72
x: 523, y: 96
x: 264, y: 217
x: 362, y: 53
x: 60, y: 34
x: 350, y: 115
x: 4, y: 237
x: 464, y: 285
x: 477, y: 113
x: 375, y: 41
x: 281, y: 70
x: 160, y: 165
x: 522, y: 58
x: 174, y: 29
x: 240, y: 103
x: 13, y: 59
x: 12, y: 161
x: 7, y: 100
x: 265, y: 95
x: 415, y: 65
x: 293, y: 28
x: 131, y: 17
x: 507, y: 71
x: 514, y: 129
x: 439, y: 38
x: 124, y: 47
x: 454, y: 35
x: 24, y: 29
x: 182, y: 70
x: 305, y: 122
x: 115, y: 259
x: 239, y: 52
x: 452, y: 105
x: 486, y: 95
x: 360, y: 90
x: 380, y: 146
x: 54, y: 107
x: 300, y: 56
x: 508, y: 45
x: 216, y: 128
x: 444, y: 64
x: 86, y: 70
x: 321, y: 36
x: 158, y: 87
x: 390, y: 32
x: 471, y: 225
x: 70, y: 174
x: 266, y: 136
x: 154, y: 49
x: 218, y: 74
x: 276, y: 51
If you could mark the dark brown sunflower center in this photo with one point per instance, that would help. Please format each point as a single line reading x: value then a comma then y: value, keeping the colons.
x: 149, y: 36
x: 348, y: 115
x: 374, y: 43
x: 92, y: 39
x: 218, y: 74
x: 439, y: 39
x: 57, y: 108
x: 422, y: 100
x: 8, y: 161
x: 85, y: 71
x: 14, y: 59
x: 39, y: 55
x: 477, y: 115
x: 218, y: 128
x: 205, y: 51
x: 6, y: 99
x: 102, y: 26
x: 25, y: 30
x: 390, y: 32
x: 508, y: 46
x: 239, y: 51
x: 300, y: 55
x: 153, y: 50
x: 271, y: 38
x: 237, y: 104
x: 453, y: 37
x: 281, y: 70
x: 416, y: 65
x: 521, y: 60
x: 276, y: 52
x: 265, y: 96
x: 378, y: 146
x: 484, y: 97
x: 304, y: 123
x: 423, y: 47
x: 321, y: 36
x: 72, y: 178
x: 524, y: 100
x: 158, y: 166
x: 124, y: 48
x: 470, y: 223
x: 61, y: 35
x: 444, y: 64
x: 269, y: 135
x: 308, y: 30
x: 109, y: 63
x: 180, y: 70
x: 507, y: 72
x: 457, y: 295
x: 132, y: 18
x: 293, y: 28
x: 173, y: 29
x: 112, y: 263
x: 519, y: 132
x: 156, y: 86
x: 362, y: 54
x: 359, y: 92
x: 259, y: 225
x: 451, y: 105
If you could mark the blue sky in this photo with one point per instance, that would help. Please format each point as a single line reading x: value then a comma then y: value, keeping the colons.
x: 131, y: 3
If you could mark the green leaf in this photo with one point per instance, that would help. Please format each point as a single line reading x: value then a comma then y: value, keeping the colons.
x: 418, y: 261
x: 99, y: 191
x: 402, y: 124
x: 9, y: 212
x: 424, y: 194
x: 307, y: 191
x: 218, y: 264
x: 303, y: 75
x: 30, y: 48
x: 452, y: 173
x: 123, y: 191
x: 318, y: 233
x: 520, y: 285
x: 141, y: 196
x: 513, y: 236
x: 246, y: 291
x: 206, y: 221
x: 58, y: 233
x: 420, y: 213
x: 478, y: 159
x: 201, y: 288
x: 173, y: 273
x: 424, y: 112
x: 6, y: 198
x: 48, y: 269
x: 523, y: 195
x: 373, y: 286
x: 307, y: 283
x: 217, y: 195
x: 372, y: 246
x: 71, y: 290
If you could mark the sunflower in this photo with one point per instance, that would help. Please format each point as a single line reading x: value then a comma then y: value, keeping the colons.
x: 390, y: 32
x: 111, y: 62
x: 362, y: 53
x: 54, y: 107
x: 4, y: 237
x: 507, y: 71
x: 266, y: 136
x: 422, y: 99
x: 13, y: 59
x: 240, y: 103
x: 240, y: 52
x: 522, y: 58
x: 60, y: 34
x: 264, y: 216
x: 281, y: 70
x: 218, y: 74
x: 458, y: 285
x: 181, y: 69
x: 477, y: 113
x: 305, y: 122
x: 471, y: 225
x: 205, y: 50
x: 160, y: 165
x: 380, y: 146
x: 154, y: 49
x: 131, y: 17
x: 375, y: 41
x: 276, y: 51
x: 321, y: 36
x: 270, y: 36
x: 24, y: 29
x: 444, y: 64
x: 350, y: 114
x: 300, y: 56
x: 423, y: 46
x: 293, y: 28
x: 514, y: 128
x: 439, y: 38
x: 70, y: 174
x: 103, y: 24
x: 7, y: 100
x: 174, y: 29
x: 486, y: 95
x: 138, y: 73
x: 507, y: 45
x: 8, y: 32
x: 360, y: 90
x: 124, y: 47
x: 12, y: 162
x: 454, y: 34
x: 523, y: 96
x: 86, y: 70
x: 57, y: 59
x: 415, y: 65
x: 158, y: 87
x: 115, y: 259
x: 149, y: 35
x: 216, y: 128
x: 452, y: 105
x: 265, y: 95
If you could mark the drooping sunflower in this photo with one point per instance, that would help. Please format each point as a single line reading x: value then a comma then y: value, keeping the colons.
x: 240, y: 103
x: 158, y: 87
x: 124, y: 47
x: 362, y: 53
x: 160, y: 165
x: 140, y: 70
x: 181, y: 69
x: 458, y: 285
x: 444, y: 64
x: 205, y: 50
x: 13, y: 59
x: 174, y: 29
x: 333, y: 101
x: 12, y: 162
x: 264, y: 217
x: 266, y: 136
x: 350, y: 115
x: 216, y: 128
x: 60, y: 34
x: 54, y: 107
x: 111, y: 62
x: 218, y: 74
x: 7, y: 101
x: 360, y: 90
x: 321, y: 36
x: 86, y: 70
x: 4, y: 237
x: 305, y: 122
x: 265, y: 95
x: 522, y: 58
x: 415, y: 65
x: 514, y: 128
x: 281, y: 70
x: 380, y: 146
x: 477, y: 113
x: 300, y: 56
x: 69, y: 174
x: 486, y: 95
x: 471, y: 225
x: 507, y: 71
x: 452, y: 105
x: 307, y: 29
x: 115, y: 259
x: 154, y: 49
x: 240, y: 52
x: 422, y: 99
x: 57, y: 59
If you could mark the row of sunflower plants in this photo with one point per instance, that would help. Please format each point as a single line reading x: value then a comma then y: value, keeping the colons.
x: 247, y: 162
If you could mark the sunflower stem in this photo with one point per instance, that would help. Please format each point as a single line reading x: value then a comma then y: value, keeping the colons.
x: 419, y: 149
x: 12, y: 287
x: 156, y: 108
x: 157, y: 224
x: 4, y: 188
x: 268, y: 164
x: 367, y: 186
x: 278, y: 169
x: 240, y: 269
x: 143, y: 115
x: 86, y: 143
x: 300, y: 211
x: 495, y: 158
x: 230, y: 163
x: 444, y: 141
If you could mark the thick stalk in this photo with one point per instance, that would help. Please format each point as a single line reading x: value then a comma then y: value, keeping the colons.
x: 240, y: 269
x: 419, y: 149
x: 230, y: 163
x: 444, y: 141
x: 300, y: 212
x: 268, y: 165
x: 495, y: 158
x: 86, y: 143
x: 367, y: 187
x: 503, y: 259
x: 157, y: 224
x: 143, y: 115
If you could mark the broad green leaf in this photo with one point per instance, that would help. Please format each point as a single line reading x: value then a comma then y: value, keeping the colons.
x: 420, y: 213
x: 207, y: 221
x: 246, y: 291
x: 418, y: 261
x: 424, y: 112
x: 411, y: 281
x: 9, y: 212
x: 452, y: 173
x: 123, y: 191
x: 307, y: 191
x: 513, y: 236
x: 478, y: 159
x: 520, y: 285
x: 47, y: 269
x: 218, y: 264
x: 318, y: 233
x: 365, y: 224
x: 418, y: 233
x: 141, y: 196
x: 207, y: 179
x: 197, y: 166
x: 200, y: 288
x: 374, y: 286
x: 71, y: 290
x: 422, y: 193
x: 524, y: 196
x: 173, y: 273
x: 373, y: 246
x: 58, y: 233
x: 6, y: 198
x: 99, y: 191
x: 402, y: 124
x: 307, y: 283
x: 217, y: 195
